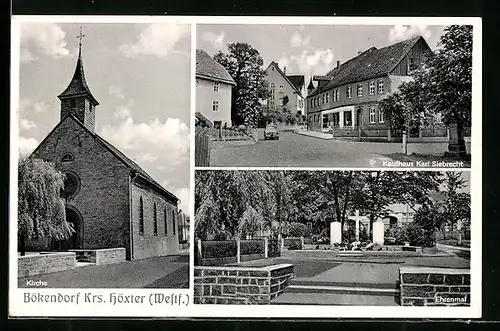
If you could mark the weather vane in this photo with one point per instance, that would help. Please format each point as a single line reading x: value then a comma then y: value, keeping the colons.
x: 80, y: 37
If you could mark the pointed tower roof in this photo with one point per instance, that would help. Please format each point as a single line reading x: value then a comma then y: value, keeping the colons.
x: 311, y: 85
x: 78, y: 85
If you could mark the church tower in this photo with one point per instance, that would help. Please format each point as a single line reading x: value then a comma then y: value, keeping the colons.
x: 77, y: 99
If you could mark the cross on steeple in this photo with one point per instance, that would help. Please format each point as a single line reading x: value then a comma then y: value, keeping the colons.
x: 80, y: 37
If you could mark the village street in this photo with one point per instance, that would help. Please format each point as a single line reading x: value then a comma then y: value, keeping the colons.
x: 294, y: 150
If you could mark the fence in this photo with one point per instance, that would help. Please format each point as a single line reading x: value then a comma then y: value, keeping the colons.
x: 202, y: 149
x: 447, y: 235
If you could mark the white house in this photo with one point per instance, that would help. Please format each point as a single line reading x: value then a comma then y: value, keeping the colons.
x: 282, y: 85
x: 213, y: 91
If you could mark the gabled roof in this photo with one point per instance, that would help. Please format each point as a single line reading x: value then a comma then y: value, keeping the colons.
x: 208, y: 68
x: 117, y: 153
x: 78, y: 85
x: 275, y: 65
x: 372, y: 63
x: 297, y: 80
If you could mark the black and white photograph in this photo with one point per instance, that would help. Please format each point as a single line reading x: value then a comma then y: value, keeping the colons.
x: 368, y: 96
x: 344, y: 238
x: 103, y: 169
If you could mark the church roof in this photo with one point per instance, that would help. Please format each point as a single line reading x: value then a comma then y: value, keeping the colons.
x: 117, y: 153
x: 372, y: 63
x: 297, y: 80
x: 207, y: 67
x: 78, y: 85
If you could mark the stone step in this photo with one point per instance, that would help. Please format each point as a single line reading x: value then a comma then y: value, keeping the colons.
x: 333, y: 298
x: 348, y: 290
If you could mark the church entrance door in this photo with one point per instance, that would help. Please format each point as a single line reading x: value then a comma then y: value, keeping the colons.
x: 76, y: 240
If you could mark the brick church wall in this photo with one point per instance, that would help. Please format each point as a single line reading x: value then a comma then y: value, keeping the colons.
x: 103, y: 197
x: 149, y: 244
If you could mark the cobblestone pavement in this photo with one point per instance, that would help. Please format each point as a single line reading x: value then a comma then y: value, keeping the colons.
x: 294, y: 150
x: 156, y: 272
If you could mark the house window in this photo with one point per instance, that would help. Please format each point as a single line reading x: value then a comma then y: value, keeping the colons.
x: 272, y: 91
x: 372, y: 115
x: 348, y: 92
x: 380, y: 116
x: 67, y: 157
x: 323, y: 98
x: 173, y: 221
x: 141, y: 216
x: 301, y: 103
x: 360, y: 90
x: 215, y: 106
x: 216, y: 86
x: 281, y: 88
x: 380, y: 86
x: 337, y: 95
x: 165, y: 220
x: 372, y: 88
x: 327, y: 97
x: 155, y: 220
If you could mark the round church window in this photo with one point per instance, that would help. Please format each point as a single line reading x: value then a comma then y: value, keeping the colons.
x: 71, y: 184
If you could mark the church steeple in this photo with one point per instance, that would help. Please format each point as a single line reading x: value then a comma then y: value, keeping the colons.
x: 77, y: 99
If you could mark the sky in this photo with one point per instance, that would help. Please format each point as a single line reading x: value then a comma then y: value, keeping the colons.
x: 310, y: 49
x: 139, y: 74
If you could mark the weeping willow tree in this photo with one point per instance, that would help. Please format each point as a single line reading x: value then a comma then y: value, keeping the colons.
x: 41, y: 210
x: 240, y: 202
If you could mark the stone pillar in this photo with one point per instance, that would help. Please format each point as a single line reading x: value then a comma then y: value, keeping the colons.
x: 456, y: 144
x: 378, y: 232
x: 357, y: 225
x: 238, y: 255
x: 341, y: 119
x: 266, y: 248
x: 353, y: 118
x: 200, y: 254
x: 335, y: 233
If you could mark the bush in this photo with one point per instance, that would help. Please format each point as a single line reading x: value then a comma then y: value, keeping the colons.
x: 298, y: 230
x: 220, y: 236
x: 218, y: 249
x: 293, y: 243
x: 251, y: 247
x: 415, y: 235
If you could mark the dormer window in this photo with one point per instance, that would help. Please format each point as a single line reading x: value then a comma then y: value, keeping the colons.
x: 348, y: 92
x: 67, y: 157
x: 360, y: 90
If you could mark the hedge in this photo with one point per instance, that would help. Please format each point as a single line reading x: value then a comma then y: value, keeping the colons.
x: 293, y: 243
x: 251, y: 247
x: 218, y: 249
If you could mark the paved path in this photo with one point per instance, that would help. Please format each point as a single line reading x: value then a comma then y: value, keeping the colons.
x: 157, y: 272
x: 293, y: 150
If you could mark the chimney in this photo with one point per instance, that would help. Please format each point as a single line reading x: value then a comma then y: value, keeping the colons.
x: 338, y: 63
x: 284, y: 70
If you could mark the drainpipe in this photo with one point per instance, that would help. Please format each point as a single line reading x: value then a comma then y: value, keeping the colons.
x: 132, y: 176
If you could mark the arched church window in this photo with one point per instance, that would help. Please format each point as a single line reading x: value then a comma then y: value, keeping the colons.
x: 155, y: 220
x: 173, y: 222
x: 67, y: 157
x: 71, y: 185
x: 141, y: 216
x: 165, y: 220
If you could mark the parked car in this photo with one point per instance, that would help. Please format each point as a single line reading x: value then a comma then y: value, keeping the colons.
x: 271, y: 132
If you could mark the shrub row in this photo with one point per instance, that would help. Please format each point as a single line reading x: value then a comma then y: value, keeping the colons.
x: 251, y: 247
x: 218, y: 249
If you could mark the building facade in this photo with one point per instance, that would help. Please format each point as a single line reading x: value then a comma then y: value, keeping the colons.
x: 213, y: 92
x: 281, y: 85
x: 345, y: 101
x: 110, y: 200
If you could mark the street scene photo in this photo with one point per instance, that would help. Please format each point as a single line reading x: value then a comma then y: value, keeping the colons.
x: 371, y: 97
x: 323, y: 237
x: 103, y: 167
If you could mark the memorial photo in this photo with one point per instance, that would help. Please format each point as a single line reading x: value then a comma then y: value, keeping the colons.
x: 103, y: 167
x: 348, y: 238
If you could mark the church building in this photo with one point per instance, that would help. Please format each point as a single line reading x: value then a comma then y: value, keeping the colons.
x: 110, y: 200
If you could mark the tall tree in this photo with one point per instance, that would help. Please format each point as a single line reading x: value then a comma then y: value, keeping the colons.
x: 244, y: 64
x: 41, y: 209
x: 456, y: 206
